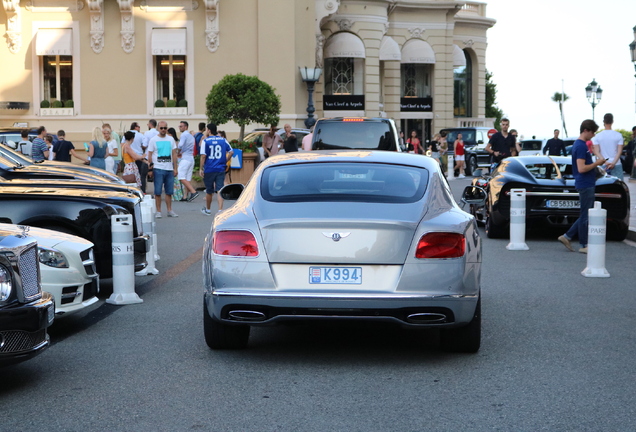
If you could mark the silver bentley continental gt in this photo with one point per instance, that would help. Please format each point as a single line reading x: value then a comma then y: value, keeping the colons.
x: 343, y: 235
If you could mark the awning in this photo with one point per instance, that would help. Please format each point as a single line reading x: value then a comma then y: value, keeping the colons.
x: 56, y: 41
x: 170, y: 41
x: 389, y: 49
x: 344, y: 45
x: 459, y: 58
x: 418, y: 51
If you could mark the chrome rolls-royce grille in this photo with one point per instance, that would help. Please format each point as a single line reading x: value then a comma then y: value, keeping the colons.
x: 30, y: 273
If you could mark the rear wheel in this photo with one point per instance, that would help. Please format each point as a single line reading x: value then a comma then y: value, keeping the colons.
x: 492, y: 230
x: 617, y: 234
x: 465, y: 339
x: 223, y: 336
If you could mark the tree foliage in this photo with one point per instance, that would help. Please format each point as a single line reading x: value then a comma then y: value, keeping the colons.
x: 560, y: 98
x: 244, y: 100
x: 492, y: 110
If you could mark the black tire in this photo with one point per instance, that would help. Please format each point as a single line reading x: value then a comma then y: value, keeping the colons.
x: 465, y: 339
x: 617, y: 234
x: 494, y: 231
x: 223, y: 336
x: 471, y: 165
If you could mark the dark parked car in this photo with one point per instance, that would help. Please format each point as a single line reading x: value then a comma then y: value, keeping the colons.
x: 367, y: 133
x: 74, y: 207
x: 25, y: 311
x: 19, y: 162
x: 551, y: 198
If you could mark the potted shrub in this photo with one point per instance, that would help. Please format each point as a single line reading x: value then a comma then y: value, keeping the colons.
x: 57, y: 104
x: 182, y: 103
x: 250, y: 155
x: 45, y: 104
x: 159, y: 103
x: 69, y: 104
x: 172, y: 103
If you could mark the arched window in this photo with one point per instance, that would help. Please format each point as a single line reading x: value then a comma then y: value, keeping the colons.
x: 344, y: 55
x: 462, y: 86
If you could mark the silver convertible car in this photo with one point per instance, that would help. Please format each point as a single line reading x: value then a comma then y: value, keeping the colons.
x: 336, y: 235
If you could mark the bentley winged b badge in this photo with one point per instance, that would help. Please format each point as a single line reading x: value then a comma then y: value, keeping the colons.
x: 336, y: 236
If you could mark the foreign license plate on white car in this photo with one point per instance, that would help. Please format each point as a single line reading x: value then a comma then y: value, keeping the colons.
x: 335, y: 275
x: 563, y: 204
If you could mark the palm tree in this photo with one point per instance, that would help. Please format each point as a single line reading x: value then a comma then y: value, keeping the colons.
x: 560, y: 98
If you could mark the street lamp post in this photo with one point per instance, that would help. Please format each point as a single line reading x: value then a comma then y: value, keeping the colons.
x: 310, y: 76
x: 593, y: 91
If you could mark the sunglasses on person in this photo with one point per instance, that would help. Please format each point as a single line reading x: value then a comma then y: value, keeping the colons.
x: 162, y: 128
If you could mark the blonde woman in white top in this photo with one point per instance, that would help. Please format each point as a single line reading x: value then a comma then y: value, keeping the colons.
x: 111, y: 151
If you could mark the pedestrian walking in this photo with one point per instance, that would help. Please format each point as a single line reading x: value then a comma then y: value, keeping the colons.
x: 214, y: 154
x: 39, y: 149
x: 162, y: 150
x: 459, y: 155
x: 118, y: 140
x: 112, y: 150
x: 554, y: 146
x: 63, y: 149
x: 585, y: 183
x: 501, y: 144
x: 609, y: 144
x: 97, y: 149
x: 185, y: 151
x: 129, y: 156
x: 271, y: 142
x: 414, y: 143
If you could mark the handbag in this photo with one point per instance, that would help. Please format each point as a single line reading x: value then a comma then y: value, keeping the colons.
x: 129, y: 178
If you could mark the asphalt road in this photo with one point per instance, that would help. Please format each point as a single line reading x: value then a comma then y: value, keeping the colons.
x: 557, y: 354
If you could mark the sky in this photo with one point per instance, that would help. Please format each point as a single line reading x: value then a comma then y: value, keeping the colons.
x: 539, y: 47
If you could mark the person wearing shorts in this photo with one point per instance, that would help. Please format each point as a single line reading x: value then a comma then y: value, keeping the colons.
x: 459, y: 155
x: 214, y: 153
x: 186, y: 164
x: 162, y: 150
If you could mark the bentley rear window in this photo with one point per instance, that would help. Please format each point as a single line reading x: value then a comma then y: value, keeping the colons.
x: 354, y: 182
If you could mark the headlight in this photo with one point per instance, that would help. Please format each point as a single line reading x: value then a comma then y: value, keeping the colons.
x: 5, y: 283
x: 52, y: 257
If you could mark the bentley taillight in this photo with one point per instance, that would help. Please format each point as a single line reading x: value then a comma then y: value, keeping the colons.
x: 441, y: 245
x: 235, y: 243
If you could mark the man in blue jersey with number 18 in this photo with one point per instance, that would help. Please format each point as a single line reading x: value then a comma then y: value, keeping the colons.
x: 213, y: 161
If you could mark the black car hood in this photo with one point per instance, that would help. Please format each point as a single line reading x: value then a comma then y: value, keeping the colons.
x: 65, y: 187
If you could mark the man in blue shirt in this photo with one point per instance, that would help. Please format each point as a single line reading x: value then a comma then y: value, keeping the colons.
x: 585, y: 183
x: 214, y: 153
x: 39, y: 149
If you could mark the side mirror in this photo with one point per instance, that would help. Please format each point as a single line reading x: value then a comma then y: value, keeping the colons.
x: 478, y: 172
x: 232, y: 191
x: 474, y: 195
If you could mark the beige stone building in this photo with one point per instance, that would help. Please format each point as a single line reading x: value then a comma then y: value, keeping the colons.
x: 74, y: 65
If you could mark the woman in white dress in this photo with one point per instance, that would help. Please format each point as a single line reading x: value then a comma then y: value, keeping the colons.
x: 111, y: 151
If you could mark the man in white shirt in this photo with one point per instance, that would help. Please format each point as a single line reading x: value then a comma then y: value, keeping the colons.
x: 151, y: 132
x: 163, y: 151
x: 610, y: 145
x: 186, y: 164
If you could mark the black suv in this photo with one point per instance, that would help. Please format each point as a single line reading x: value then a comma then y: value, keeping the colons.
x: 475, y: 141
x: 25, y: 311
x: 367, y: 133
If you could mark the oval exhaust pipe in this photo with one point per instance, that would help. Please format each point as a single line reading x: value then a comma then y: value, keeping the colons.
x: 426, y: 318
x: 247, y: 315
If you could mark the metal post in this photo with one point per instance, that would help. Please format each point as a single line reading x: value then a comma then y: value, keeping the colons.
x: 310, y: 120
x: 147, y: 212
x: 596, y: 243
x: 517, y: 220
x: 123, y: 261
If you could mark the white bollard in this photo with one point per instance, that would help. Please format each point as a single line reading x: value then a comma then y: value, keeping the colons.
x: 517, y: 220
x: 123, y: 261
x: 146, y: 219
x: 596, y: 242
x: 450, y: 168
x: 150, y: 202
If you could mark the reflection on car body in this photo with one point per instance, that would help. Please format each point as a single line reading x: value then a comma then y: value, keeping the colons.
x: 357, y: 234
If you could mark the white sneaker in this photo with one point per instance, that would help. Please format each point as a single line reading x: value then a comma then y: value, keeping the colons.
x: 172, y: 214
x: 158, y: 215
x: 206, y: 212
x: 461, y: 176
